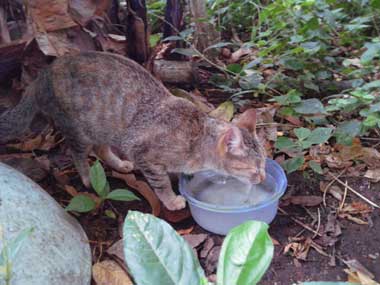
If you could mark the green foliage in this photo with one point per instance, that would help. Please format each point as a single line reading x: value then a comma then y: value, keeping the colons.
x: 81, y: 204
x: 305, y: 138
x: 246, y: 254
x: 9, y: 253
x: 156, y: 254
x: 84, y: 203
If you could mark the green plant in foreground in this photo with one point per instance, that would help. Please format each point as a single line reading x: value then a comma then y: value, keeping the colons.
x: 83, y: 203
x: 156, y: 254
x: 9, y: 252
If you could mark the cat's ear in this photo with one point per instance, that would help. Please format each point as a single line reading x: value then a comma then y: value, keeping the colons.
x: 247, y: 120
x: 231, y: 141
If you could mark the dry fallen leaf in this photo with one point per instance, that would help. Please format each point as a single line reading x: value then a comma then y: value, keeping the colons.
x: 307, y: 200
x: 41, y: 142
x: 143, y: 188
x: 198, y: 101
x: 225, y: 111
x: 194, y: 240
x: 108, y: 272
x: 357, y: 273
x: 373, y: 174
x: 298, y: 250
x: 117, y: 249
x: 185, y: 231
x: 71, y: 190
x: 28, y: 166
x: 357, y: 208
x: 175, y: 216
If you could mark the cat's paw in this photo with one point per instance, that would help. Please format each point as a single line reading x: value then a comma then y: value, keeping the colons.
x: 125, y: 166
x: 177, y: 203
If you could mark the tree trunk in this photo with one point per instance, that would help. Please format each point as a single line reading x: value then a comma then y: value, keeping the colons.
x: 205, y: 34
x: 173, y: 18
x: 137, y: 31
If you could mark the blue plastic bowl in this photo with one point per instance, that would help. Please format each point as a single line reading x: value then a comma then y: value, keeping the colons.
x: 221, y: 219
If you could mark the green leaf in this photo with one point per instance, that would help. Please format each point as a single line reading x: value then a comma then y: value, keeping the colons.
x: 234, y: 67
x: 310, y: 106
x: 246, y: 254
x: 346, y: 132
x: 311, y: 47
x: 291, y: 165
x: 218, y: 45
x: 374, y: 108
x: 12, y: 247
x: 292, y: 63
x: 373, y: 50
x: 185, y: 51
x: 375, y: 4
x: 172, y: 38
x: 110, y: 214
x: 315, y: 166
x: 81, y: 204
x: 122, y: 195
x: 284, y: 143
x: 154, y: 39
x: 292, y: 97
x: 371, y: 85
x: 372, y: 120
x: 156, y: 254
x: 302, y: 133
x: 251, y: 81
x: 320, y: 135
x: 98, y: 179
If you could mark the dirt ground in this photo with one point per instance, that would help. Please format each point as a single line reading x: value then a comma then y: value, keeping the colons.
x: 360, y: 242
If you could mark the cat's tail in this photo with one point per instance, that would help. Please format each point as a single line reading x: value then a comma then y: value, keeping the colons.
x: 14, y: 122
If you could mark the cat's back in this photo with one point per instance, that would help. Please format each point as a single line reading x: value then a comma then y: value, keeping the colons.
x: 101, y: 83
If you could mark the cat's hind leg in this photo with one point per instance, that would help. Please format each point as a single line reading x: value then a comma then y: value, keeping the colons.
x: 105, y: 153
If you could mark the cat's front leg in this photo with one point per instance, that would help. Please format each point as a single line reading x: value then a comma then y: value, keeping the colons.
x: 158, y: 178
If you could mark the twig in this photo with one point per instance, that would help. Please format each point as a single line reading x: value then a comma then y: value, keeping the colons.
x: 300, y: 223
x: 329, y: 185
x: 344, y: 197
x: 354, y: 191
x: 318, y: 226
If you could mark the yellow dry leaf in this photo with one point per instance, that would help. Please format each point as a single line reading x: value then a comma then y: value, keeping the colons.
x: 108, y: 272
x: 225, y: 111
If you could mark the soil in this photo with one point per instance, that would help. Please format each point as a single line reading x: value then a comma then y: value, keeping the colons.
x: 360, y: 242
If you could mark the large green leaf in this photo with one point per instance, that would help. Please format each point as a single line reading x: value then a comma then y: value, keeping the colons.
x: 302, y: 133
x: 246, y: 254
x: 319, y: 135
x: 156, y: 254
x: 345, y: 132
x: 310, y: 106
x: 98, y: 179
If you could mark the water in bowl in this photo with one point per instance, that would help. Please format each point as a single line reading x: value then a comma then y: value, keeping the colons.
x: 227, y: 191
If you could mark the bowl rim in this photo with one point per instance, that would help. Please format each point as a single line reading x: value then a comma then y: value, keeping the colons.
x: 239, y: 209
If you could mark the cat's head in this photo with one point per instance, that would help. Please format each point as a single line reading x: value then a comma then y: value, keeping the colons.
x: 240, y: 151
